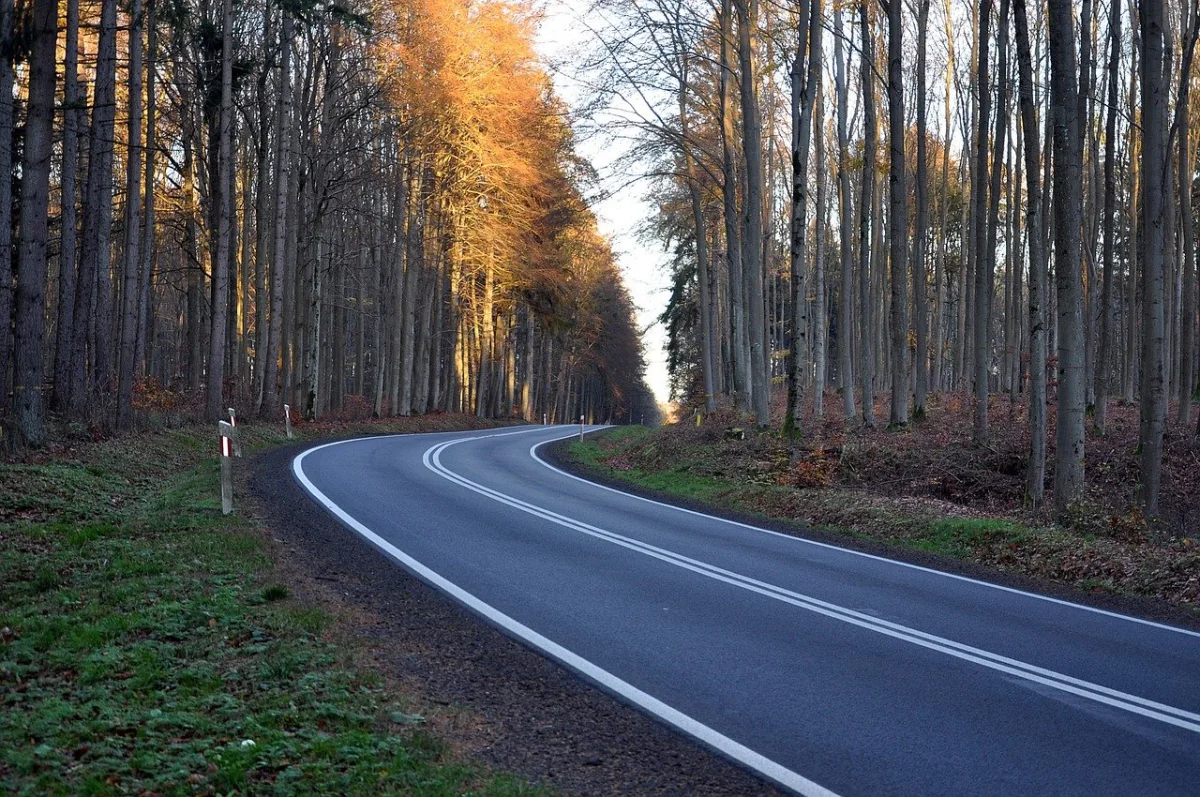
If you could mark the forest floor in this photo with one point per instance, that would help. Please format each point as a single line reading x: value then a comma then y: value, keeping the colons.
x: 928, y: 492
x: 150, y: 645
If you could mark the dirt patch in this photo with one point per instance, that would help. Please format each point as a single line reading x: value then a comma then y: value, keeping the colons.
x: 494, y: 700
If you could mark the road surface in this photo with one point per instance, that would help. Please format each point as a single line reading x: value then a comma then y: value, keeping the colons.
x: 825, y: 670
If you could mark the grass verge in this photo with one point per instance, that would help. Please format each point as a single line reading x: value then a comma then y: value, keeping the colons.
x: 144, y: 650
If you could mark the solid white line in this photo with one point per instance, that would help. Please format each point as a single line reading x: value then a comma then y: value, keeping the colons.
x: 739, y: 752
x: 533, y: 453
x: 1132, y: 703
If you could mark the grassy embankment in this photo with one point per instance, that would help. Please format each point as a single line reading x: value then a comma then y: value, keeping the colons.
x: 757, y: 477
x: 144, y: 648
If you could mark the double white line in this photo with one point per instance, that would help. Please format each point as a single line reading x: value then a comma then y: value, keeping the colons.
x: 1170, y: 715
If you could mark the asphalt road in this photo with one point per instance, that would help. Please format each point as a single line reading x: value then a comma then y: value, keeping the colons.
x: 826, y: 670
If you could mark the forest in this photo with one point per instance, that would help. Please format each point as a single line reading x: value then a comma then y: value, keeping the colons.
x: 380, y: 208
x: 352, y: 209
x: 888, y: 202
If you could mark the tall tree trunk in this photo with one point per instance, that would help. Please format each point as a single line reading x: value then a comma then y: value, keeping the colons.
x: 415, y: 243
x: 845, y: 221
x: 1186, y: 166
x: 68, y: 261
x: 740, y: 345
x: 939, y: 278
x: 805, y: 80
x: 1103, y: 372
x: 7, y: 53
x: 920, y: 299
x: 820, y: 337
x: 143, y: 344
x: 866, y: 209
x: 279, y: 261
x: 214, y: 405
x: 1068, y: 187
x: 703, y: 279
x: 1154, y: 124
x: 132, y: 265
x: 979, y: 200
x: 35, y: 205
x: 747, y: 11
x: 90, y: 319
x: 898, y: 214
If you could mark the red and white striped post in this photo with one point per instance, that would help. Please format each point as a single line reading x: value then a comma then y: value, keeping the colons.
x: 237, y: 436
x: 226, y: 431
x: 287, y: 420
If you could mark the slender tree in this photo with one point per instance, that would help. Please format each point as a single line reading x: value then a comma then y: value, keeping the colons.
x: 35, y: 206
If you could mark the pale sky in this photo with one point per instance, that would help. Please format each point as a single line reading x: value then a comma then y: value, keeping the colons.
x: 644, y: 267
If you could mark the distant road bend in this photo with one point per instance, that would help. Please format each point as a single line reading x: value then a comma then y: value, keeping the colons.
x: 827, y: 671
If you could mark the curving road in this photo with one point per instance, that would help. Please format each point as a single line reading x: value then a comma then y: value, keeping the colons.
x: 825, y: 670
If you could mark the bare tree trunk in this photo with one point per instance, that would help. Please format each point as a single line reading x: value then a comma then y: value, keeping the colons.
x: 143, y: 343
x: 740, y: 345
x: 1154, y: 129
x: 820, y: 337
x: 939, y: 278
x: 1068, y: 186
x: 846, y: 299
x: 1133, y: 280
x: 68, y: 261
x: 898, y: 214
x: 920, y: 299
x: 1103, y: 373
x: 753, y: 227
x: 866, y: 209
x: 414, y: 241
x: 488, y: 332
x: 214, y: 404
x: 283, y: 170
x: 88, y: 328
x: 6, y: 204
x: 979, y: 199
x: 805, y: 81
x: 35, y: 206
x: 703, y: 279
x: 1186, y: 165
x: 132, y: 265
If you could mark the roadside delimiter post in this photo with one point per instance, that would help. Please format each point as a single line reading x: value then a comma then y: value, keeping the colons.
x: 237, y: 436
x: 287, y: 420
x: 581, y: 428
x: 226, y: 430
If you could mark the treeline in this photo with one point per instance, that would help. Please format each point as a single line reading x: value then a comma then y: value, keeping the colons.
x: 348, y: 207
x: 898, y: 199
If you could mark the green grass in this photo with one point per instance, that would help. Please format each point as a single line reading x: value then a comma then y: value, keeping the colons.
x: 142, y: 650
x: 961, y: 537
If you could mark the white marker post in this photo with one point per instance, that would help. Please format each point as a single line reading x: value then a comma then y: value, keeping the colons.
x: 237, y: 436
x: 544, y: 419
x: 581, y: 428
x: 226, y: 431
x: 287, y: 420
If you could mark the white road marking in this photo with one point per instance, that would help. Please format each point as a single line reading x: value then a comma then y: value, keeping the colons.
x: 739, y: 752
x: 533, y: 453
x: 1171, y: 715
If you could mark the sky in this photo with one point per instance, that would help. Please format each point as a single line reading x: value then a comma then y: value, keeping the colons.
x: 644, y: 266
